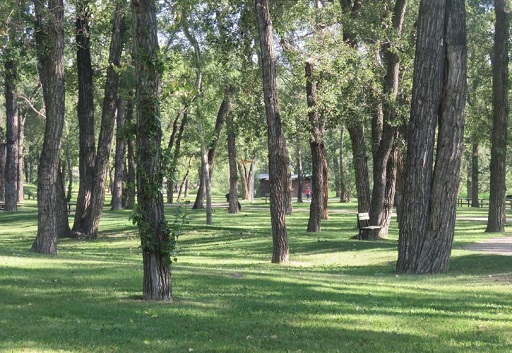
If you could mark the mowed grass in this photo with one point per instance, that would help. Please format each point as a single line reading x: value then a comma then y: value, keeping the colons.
x: 337, y: 294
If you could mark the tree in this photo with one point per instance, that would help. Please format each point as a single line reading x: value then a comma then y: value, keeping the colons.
x: 149, y: 216
x: 52, y: 215
x: 439, y: 95
x: 496, y: 218
x: 85, y: 111
x: 101, y: 163
x: 278, y: 154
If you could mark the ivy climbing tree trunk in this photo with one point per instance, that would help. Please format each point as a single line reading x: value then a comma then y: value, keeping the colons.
x: 153, y: 230
x: 278, y: 154
x: 496, y: 218
x: 438, y: 109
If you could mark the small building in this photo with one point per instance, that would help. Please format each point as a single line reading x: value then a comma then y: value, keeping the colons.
x: 264, y: 184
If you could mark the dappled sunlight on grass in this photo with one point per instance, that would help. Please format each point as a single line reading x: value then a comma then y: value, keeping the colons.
x: 337, y: 294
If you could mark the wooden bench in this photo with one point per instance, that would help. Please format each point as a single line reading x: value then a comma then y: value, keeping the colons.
x: 2, y: 205
x: 363, y: 223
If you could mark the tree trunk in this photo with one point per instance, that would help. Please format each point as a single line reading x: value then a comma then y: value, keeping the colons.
x: 344, y: 194
x: 498, y: 189
x: 101, y: 164
x: 300, y: 176
x: 120, y: 154
x: 21, y: 139
x: 130, y: 184
x: 360, y: 160
x: 439, y: 94
x: 474, y: 175
x: 317, y: 153
x: 386, y: 132
x: 225, y: 108
x: 3, y: 156
x: 233, y: 175
x: 11, y: 165
x: 87, y: 153
x: 154, y: 233
x: 278, y: 154
x: 50, y: 51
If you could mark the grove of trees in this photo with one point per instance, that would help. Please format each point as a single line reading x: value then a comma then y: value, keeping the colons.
x: 400, y: 104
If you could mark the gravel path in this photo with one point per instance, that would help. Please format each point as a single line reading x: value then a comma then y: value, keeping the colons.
x: 499, y: 246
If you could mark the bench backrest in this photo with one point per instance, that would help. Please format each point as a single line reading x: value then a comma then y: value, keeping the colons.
x: 362, y: 219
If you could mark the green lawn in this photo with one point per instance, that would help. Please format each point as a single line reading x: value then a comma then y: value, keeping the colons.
x: 336, y: 295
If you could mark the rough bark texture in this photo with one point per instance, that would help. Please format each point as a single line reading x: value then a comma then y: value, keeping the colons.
x: 87, y: 152
x: 50, y: 52
x: 120, y: 154
x: 131, y: 165
x: 101, y: 164
x: 439, y: 93
x: 278, y: 154
x: 360, y: 160
x: 11, y: 163
x: 232, y: 159
x: 496, y: 218
x: 316, y: 208
x: 150, y: 213
x: 387, y: 131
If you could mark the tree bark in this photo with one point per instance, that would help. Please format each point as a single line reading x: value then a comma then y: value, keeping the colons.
x: 496, y: 219
x: 87, y: 151
x: 11, y: 104
x: 120, y: 154
x: 101, y: 165
x: 131, y: 168
x: 317, y: 153
x: 153, y: 230
x: 232, y: 159
x: 21, y: 139
x: 385, y: 140
x: 439, y: 95
x: 50, y: 52
x: 474, y: 175
x: 278, y: 154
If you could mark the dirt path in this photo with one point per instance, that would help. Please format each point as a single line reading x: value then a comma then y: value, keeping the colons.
x: 499, y: 246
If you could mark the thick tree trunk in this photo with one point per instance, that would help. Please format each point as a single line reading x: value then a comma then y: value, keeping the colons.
x: 101, y: 164
x: 439, y: 93
x: 383, y: 143
x: 278, y: 154
x: 87, y: 152
x: 11, y: 165
x: 360, y: 160
x: 120, y: 154
x: 50, y: 45
x: 498, y: 189
x: 154, y: 233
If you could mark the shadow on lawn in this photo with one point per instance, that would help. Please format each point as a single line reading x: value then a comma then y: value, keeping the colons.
x: 88, y: 307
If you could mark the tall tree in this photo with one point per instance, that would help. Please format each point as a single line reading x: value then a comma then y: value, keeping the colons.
x: 101, y: 162
x: 384, y: 139
x: 278, y: 154
x: 85, y: 112
x: 153, y: 230
x: 50, y: 51
x: 496, y: 218
x: 439, y: 95
x: 317, y: 146
x: 11, y: 103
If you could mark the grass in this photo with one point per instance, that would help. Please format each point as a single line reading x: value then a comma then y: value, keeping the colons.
x: 336, y: 295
